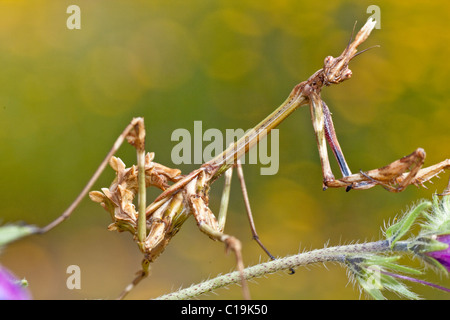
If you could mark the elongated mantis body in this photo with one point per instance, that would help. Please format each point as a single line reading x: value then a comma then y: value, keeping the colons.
x: 154, y: 225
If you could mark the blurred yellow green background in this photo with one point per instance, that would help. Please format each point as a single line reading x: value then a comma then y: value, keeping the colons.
x: 65, y: 95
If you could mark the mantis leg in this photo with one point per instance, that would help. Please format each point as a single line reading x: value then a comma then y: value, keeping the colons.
x: 221, y: 218
x: 396, y: 176
x: 136, y: 122
x: 318, y: 120
x: 134, y: 133
x: 207, y: 223
x: 446, y: 192
x: 324, y: 129
x: 140, y: 275
x: 249, y: 210
x: 331, y: 137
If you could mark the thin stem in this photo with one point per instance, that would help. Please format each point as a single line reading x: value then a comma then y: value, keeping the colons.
x: 336, y: 254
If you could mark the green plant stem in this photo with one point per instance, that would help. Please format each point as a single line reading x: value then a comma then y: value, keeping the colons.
x: 334, y: 254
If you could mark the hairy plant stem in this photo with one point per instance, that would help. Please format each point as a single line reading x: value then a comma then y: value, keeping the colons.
x: 334, y: 254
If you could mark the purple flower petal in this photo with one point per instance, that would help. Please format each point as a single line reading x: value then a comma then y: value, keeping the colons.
x: 10, y: 287
x: 442, y: 256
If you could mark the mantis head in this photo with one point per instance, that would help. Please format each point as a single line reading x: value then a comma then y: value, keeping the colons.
x: 336, y: 69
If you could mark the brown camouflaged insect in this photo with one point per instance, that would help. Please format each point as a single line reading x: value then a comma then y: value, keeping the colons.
x: 186, y: 195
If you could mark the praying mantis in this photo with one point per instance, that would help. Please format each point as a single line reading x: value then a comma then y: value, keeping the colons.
x: 182, y: 196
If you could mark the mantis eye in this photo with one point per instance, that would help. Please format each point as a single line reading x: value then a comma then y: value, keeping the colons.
x: 347, y: 74
x: 328, y: 60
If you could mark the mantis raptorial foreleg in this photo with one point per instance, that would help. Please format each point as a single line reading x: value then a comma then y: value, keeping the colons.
x: 331, y: 137
x: 390, y: 176
x: 318, y: 121
x: 324, y: 130
x: 394, y: 177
